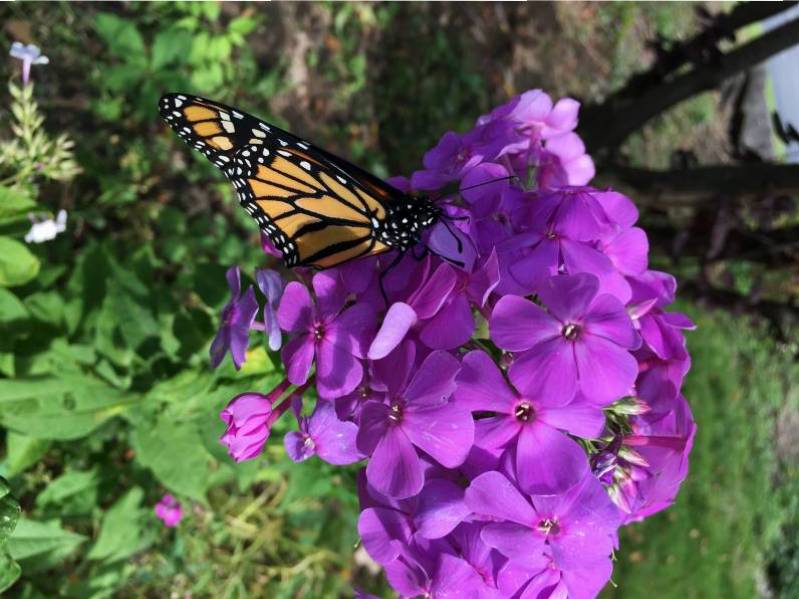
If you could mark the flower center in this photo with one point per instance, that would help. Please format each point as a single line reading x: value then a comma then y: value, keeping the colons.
x: 318, y: 332
x: 308, y: 442
x: 551, y: 235
x: 524, y: 412
x: 395, y: 415
x: 571, y: 331
x: 548, y: 526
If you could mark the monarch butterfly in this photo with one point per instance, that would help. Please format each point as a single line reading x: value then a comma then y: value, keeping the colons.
x: 317, y: 209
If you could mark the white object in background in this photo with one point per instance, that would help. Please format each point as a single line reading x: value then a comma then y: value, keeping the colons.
x: 783, y: 68
x: 47, y: 230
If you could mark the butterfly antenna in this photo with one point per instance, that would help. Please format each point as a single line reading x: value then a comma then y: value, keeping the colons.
x: 508, y: 178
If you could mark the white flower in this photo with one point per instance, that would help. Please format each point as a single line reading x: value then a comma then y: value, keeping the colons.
x: 47, y: 230
x: 29, y: 54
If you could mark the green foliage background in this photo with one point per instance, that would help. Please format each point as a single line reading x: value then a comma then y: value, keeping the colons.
x: 106, y: 396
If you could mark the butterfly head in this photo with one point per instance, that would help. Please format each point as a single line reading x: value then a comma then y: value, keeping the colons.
x: 405, y: 221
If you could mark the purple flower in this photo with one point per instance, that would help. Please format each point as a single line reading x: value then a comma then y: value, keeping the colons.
x: 237, y: 318
x: 580, y: 342
x: 577, y: 527
x: 335, y: 336
x: 29, y: 54
x: 247, y: 417
x: 323, y: 434
x: 446, y: 162
x: 271, y: 285
x: 416, y: 413
x: 547, y: 461
x: 169, y: 510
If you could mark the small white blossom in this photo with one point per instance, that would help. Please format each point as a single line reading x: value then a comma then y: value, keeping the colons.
x: 47, y: 230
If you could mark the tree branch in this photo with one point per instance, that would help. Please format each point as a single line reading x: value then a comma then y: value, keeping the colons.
x: 702, y: 185
x: 703, y: 47
x: 608, y: 128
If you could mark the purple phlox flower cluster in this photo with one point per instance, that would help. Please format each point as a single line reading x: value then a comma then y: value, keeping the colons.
x: 169, y: 510
x: 511, y: 414
x: 29, y: 54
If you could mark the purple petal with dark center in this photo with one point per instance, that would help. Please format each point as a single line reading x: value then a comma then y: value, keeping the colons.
x: 492, y: 494
x: 374, y: 425
x: 518, y: 324
x: 547, y: 461
x: 299, y: 446
x: 395, y: 469
x: 567, y: 297
x: 440, y: 509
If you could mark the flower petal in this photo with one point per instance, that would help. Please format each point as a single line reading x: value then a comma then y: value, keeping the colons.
x: 433, y: 382
x: 492, y: 494
x: 518, y: 324
x: 606, y: 371
x: 383, y: 533
x: 608, y: 318
x: 567, y: 297
x: 451, y: 327
x: 513, y: 540
x: 547, y: 372
x: 295, y: 312
x: 440, y: 509
x: 481, y: 386
x: 395, y: 469
x: 298, y: 355
x: 547, y: 461
x: 396, y: 324
x: 446, y: 432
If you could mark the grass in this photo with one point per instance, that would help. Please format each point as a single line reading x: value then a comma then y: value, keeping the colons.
x: 715, y: 540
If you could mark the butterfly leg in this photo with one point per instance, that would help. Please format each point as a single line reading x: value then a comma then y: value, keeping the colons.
x: 387, y: 270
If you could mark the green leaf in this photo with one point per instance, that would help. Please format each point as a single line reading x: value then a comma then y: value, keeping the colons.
x: 121, y: 36
x: 11, y: 308
x: 121, y: 532
x: 242, y: 25
x: 66, y: 406
x: 17, y: 264
x: 175, y: 453
x: 9, y: 570
x: 74, y: 492
x: 35, y: 539
x: 172, y: 46
x: 46, y: 306
x: 9, y: 511
x: 14, y: 203
x: 22, y: 451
